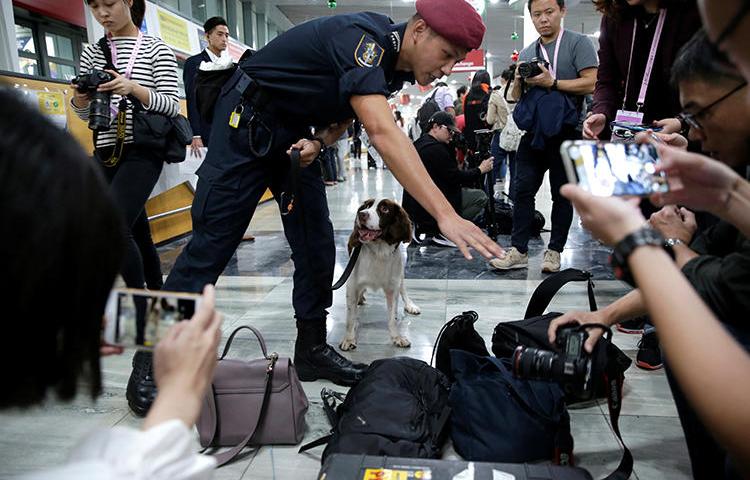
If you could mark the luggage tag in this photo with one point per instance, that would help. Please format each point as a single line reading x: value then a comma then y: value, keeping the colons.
x: 234, y: 117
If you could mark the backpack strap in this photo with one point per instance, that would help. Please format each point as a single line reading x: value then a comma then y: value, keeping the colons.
x: 543, y: 294
x: 329, y: 398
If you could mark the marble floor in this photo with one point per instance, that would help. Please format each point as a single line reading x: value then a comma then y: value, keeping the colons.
x: 256, y: 289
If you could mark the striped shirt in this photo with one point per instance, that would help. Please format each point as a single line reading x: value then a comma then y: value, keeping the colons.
x: 155, y: 68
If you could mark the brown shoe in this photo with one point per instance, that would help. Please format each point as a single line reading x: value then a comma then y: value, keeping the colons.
x: 248, y: 238
x: 551, y: 262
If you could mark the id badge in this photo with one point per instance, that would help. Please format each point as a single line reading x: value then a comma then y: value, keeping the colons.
x: 629, y: 117
x: 234, y: 117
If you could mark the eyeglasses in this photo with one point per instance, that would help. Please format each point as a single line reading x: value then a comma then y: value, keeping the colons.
x: 692, y: 119
x: 734, y: 23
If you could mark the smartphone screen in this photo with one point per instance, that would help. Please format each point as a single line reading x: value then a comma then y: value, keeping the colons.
x: 613, y: 169
x: 140, y: 318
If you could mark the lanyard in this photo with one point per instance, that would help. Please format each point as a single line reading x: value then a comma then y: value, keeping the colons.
x: 649, y: 64
x: 133, y: 54
x: 553, y: 65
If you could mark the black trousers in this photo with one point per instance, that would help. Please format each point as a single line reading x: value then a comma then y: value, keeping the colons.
x: 131, y: 182
x: 530, y: 166
x: 231, y: 182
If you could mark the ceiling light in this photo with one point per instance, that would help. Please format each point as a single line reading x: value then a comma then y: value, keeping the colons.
x: 494, y: 2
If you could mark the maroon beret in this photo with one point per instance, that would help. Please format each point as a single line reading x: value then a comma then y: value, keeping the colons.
x: 455, y: 20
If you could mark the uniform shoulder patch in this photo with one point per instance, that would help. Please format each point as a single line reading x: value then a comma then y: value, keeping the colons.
x: 368, y: 53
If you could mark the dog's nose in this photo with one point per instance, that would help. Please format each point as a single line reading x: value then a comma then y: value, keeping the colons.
x: 363, y: 216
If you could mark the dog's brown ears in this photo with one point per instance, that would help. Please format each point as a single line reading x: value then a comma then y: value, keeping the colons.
x: 400, y: 229
x: 353, y: 240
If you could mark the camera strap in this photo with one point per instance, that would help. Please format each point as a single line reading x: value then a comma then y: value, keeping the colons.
x: 649, y: 63
x: 109, y: 49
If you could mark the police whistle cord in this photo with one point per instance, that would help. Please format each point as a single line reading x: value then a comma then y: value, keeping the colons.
x: 289, y: 199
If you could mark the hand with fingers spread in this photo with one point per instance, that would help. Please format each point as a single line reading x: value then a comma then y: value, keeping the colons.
x: 184, y: 363
x: 581, y: 318
x: 465, y: 234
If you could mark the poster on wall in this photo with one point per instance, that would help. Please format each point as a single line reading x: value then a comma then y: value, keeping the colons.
x: 174, y: 31
x: 51, y: 104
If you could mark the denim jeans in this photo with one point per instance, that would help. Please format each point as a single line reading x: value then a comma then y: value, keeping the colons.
x: 501, y: 156
x: 530, y: 166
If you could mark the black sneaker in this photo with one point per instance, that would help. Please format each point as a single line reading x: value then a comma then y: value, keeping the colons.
x: 649, y: 353
x: 141, y: 390
x: 322, y: 361
x: 632, y: 327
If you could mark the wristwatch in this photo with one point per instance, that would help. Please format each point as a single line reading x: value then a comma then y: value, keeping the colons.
x: 619, y: 257
x: 672, y: 242
x: 554, y: 85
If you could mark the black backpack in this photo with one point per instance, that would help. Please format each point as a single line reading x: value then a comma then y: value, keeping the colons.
x: 457, y: 334
x: 504, y: 218
x: 399, y: 409
x: 427, y: 110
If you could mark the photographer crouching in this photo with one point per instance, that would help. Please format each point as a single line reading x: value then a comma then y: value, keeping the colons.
x: 554, y: 74
x: 128, y: 70
x: 437, y: 150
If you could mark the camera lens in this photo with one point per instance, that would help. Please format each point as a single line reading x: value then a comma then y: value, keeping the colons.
x: 534, y: 363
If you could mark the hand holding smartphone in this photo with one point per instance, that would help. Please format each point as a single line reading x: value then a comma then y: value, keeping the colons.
x: 613, y: 169
x: 140, y: 318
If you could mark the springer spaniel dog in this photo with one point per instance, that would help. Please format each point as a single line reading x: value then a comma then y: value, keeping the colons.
x: 380, y: 228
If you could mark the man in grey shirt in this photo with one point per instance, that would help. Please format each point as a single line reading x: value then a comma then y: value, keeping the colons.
x: 572, y: 71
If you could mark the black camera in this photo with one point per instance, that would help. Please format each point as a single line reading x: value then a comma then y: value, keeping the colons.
x: 570, y: 366
x: 458, y: 141
x: 531, y: 68
x: 99, y: 113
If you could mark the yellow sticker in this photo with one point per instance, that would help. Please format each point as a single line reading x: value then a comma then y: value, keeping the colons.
x: 234, y: 120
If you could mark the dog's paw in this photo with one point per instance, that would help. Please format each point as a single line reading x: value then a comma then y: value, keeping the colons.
x: 412, y: 309
x: 401, y: 341
x: 362, y: 300
x: 348, y: 344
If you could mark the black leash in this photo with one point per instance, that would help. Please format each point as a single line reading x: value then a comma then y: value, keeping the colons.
x: 289, y: 200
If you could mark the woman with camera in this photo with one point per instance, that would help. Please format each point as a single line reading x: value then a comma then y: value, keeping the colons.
x: 127, y: 70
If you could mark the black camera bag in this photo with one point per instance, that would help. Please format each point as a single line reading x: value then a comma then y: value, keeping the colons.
x: 607, y: 358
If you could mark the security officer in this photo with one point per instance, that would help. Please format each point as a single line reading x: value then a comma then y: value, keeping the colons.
x: 321, y: 73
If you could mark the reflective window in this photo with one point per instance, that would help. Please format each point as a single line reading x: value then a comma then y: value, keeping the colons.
x: 59, y: 46
x: 25, y: 39
x: 61, y: 71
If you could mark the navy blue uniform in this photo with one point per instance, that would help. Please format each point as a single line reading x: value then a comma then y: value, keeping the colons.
x: 309, y: 74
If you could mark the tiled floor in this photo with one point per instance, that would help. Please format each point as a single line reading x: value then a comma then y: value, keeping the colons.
x: 256, y: 289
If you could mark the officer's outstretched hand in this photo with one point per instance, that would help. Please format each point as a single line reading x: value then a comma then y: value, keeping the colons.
x: 308, y: 151
x: 465, y: 234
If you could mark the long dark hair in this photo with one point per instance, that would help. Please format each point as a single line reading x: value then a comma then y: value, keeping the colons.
x: 61, y: 251
x: 615, y: 8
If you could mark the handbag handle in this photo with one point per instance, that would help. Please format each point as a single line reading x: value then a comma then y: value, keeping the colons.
x: 257, y: 335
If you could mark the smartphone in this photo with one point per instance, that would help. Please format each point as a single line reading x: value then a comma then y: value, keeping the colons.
x: 612, y: 169
x: 140, y: 318
x: 635, y: 127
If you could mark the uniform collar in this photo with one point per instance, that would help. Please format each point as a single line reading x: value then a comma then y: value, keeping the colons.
x: 394, y: 41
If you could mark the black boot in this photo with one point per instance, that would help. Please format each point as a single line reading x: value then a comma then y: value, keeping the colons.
x: 315, y: 359
x: 141, y: 390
